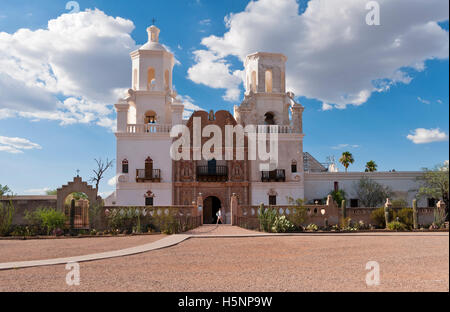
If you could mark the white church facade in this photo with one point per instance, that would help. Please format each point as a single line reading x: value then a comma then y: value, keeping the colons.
x: 147, y: 175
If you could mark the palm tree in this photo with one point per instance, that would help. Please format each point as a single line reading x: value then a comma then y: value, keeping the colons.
x: 346, y: 160
x: 371, y: 166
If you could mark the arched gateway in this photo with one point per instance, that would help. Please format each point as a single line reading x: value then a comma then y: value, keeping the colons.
x: 76, y: 186
x: 211, y: 206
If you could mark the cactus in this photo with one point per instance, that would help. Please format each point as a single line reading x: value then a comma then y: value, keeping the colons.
x: 386, y: 215
x: 344, y: 209
x: 415, y: 215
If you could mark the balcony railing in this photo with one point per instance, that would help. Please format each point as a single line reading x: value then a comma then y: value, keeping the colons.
x: 278, y: 175
x: 212, y: 173
x: 274, y: 129
x: 148, y: 128
x: 141, y: 176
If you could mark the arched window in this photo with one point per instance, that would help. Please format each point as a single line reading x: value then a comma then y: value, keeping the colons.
x: 150, y: 117
x: 294, y: 166
x: 151, y: 78
x: 253, y: 81
x: 149, y: 168
x: 149, y: 196
x: 125, y: 166
x: 269, y: 81
x: 269, y: 119
x: 135, y: 78
x: 167, y: 80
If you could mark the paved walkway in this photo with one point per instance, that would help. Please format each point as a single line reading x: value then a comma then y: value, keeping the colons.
x: 206, y: 231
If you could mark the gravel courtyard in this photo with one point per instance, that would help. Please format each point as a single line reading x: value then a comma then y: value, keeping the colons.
x: 408, y: 262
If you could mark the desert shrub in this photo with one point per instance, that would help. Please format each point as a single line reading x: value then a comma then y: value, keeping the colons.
x: 338, y: 196
x: 22, y: 230
x: 267, y: 217
x: 122, y: 220
x: 312, y: 227
x: 282, y: 225
x: 405, y: 216
x: 6, y: 216
x: 95, y: 215
x: 439, y: 217
x: 299, y: 212
x: 46, y: 220
x: 379, y: 219
x: 396, y: 226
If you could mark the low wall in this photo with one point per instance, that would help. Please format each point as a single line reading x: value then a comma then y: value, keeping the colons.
x: 27, y: 203
x: 247, y: 216
x: 426, y: 215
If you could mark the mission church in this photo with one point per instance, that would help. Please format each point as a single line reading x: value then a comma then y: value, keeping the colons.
x: 147, y: 176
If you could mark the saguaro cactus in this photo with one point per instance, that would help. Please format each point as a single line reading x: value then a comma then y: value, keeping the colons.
x: 344, y: 209
x: 387, y: 207
x: 415, y: 215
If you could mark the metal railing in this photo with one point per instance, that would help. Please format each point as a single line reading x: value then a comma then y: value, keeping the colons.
x: 278, y: 175
x: 212, y: 173
x: 141, y: 175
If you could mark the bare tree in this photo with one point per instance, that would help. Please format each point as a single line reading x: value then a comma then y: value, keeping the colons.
x: 102, y: 167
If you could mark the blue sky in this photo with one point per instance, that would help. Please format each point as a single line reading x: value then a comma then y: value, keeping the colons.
x: 375, y: 129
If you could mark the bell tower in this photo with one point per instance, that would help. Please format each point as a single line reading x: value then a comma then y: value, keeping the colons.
x: 266, y: 102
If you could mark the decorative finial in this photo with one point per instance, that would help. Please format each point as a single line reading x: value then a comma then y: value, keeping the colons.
x: 153, y: 21
x: 78, y: 173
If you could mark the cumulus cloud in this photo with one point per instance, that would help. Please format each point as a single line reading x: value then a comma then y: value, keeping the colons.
x: 112, y: 181
x: 189, y: 106
x: 213, y: 71
x: 423, y: 136
x: 73, y: 71
x: 16, y: 145
x: 423, y: 100
x: 334, y: 56
x: 342, y: 146
x: 41, y: 191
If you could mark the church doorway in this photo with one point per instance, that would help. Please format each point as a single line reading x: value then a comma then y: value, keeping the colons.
x: 211, y: 206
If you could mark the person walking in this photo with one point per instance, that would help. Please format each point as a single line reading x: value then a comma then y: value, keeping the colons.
x: 219, y: 216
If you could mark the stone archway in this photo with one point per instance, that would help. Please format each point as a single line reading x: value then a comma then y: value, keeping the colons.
x: 77, y: 185
x: 211, y: 206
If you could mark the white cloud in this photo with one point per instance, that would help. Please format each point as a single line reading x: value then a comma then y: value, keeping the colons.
x: 189, y: 106
x: 73, y: 71
x: 41, y: 191
x: 423, y: 100
x: 326, y: 106
x: 334, y: 56
x: 342, y: 146
x: 16, y: 145
x: 422, y: 136
x: 112, y: 181
x: 213, y: 71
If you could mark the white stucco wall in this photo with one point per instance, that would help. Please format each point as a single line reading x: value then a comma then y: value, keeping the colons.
x: 260, y: 191
x: 403, y: 184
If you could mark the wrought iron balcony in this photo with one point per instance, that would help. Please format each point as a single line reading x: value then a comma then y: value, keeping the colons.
x: 143, y: 175
x: 278, y: 175
x: 212, y: 173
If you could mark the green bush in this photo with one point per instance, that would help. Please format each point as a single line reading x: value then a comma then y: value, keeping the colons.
x: 122, y: 220
x: 6, y: 216
x: 267, y: 217
x: 46, y: 219
x: 378, y: 217
x: 405, y: 216
x: 298, y: 214
x: 282, y: 225
x: 312, y: 228
x: 396, y: 226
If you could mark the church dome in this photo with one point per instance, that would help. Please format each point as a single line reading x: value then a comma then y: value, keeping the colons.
x: 153, y: 40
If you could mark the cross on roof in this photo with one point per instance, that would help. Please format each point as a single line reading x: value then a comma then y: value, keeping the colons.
x: 78, y: 172
x: 153, y: 21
